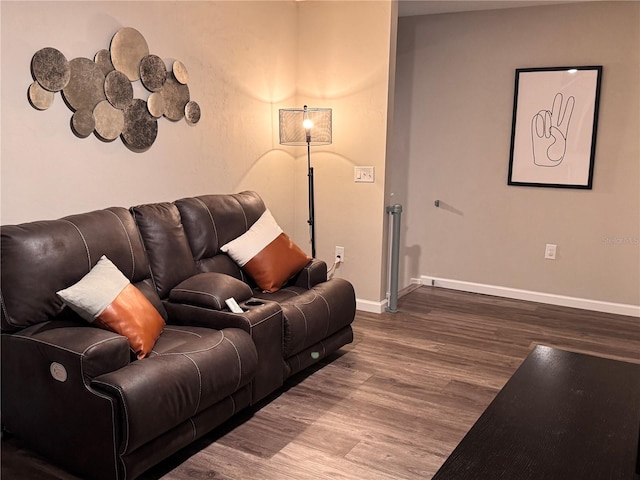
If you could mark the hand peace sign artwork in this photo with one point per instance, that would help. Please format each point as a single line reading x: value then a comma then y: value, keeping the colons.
x: 555, y: 117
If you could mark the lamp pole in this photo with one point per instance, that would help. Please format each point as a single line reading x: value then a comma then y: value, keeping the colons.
x: 311, y: 221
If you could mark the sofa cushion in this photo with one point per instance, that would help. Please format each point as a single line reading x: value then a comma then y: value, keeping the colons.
x: 163, y: 236
x: 46, y: 256
x: 189, y: 370
x: 106, y: 298
x: 313, y: 315
x: 267, y: 254
x: 210, y: 290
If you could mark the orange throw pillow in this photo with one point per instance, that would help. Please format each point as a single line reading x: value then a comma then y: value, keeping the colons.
x: 105, y: 297
x: 276, y: 263
x: 267, y: 254
x: 133, y: 316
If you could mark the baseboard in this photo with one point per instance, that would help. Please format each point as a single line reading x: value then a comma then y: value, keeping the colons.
x: 370, y: 306
x: 379, y: 307
x: 540, y: 297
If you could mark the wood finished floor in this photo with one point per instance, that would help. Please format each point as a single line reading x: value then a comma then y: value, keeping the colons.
x: 393, y: 404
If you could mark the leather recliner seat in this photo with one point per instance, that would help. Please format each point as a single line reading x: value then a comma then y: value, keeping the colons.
x: 76, y: 394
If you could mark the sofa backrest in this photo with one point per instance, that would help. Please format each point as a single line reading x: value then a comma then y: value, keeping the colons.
x: 167, y: 247
x: 40, y: 258
x: 210, y: 221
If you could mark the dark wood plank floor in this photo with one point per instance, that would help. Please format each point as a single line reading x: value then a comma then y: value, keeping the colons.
x: 392, y: 405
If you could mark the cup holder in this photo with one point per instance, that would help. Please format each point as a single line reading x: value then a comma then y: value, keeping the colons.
x: 253, y: 303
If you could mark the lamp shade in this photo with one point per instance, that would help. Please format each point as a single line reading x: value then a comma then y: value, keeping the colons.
x: 302, y: 126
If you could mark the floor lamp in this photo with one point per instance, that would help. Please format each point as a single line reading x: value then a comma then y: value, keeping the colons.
x: 306, y: 126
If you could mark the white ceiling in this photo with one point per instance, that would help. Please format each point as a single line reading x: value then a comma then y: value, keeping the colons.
x: 429, y: 7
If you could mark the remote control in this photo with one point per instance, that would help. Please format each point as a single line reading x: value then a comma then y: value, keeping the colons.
x: 233, y: 305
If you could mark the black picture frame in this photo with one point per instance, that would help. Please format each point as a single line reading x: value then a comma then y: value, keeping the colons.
x: 554, y: 127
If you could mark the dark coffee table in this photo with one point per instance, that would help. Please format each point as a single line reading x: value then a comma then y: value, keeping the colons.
x: 562, y: 415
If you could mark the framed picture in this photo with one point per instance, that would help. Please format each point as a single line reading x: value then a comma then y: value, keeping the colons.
x: 555, y: 118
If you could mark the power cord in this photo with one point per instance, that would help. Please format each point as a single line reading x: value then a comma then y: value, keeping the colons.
x: 336, y: 262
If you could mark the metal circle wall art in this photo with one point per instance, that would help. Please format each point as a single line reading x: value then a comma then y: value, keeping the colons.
x: 153, y: 72
x: 50, y: 69
x: 118, y: 89
x: 140, y: 127
x: 40, y: 98
x: 100, y: 91
x: 128, y: 48
x: 176, y: 97
x: 103, y: 59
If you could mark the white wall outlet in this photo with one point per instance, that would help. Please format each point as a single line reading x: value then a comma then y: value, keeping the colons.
x: 363, y: 174
x: 550, y: 251
x: 339, y: 254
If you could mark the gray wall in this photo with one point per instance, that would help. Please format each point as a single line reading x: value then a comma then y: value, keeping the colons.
x: 452, y: 127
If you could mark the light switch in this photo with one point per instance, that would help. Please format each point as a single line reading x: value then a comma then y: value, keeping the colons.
x: 364, y: 174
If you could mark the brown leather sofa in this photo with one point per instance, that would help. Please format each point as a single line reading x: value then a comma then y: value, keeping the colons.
x: 77, y: 393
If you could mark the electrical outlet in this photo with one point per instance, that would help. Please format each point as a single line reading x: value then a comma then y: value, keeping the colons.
x: 364, y: 174
x: 550, y: 251
x: 339, y: 254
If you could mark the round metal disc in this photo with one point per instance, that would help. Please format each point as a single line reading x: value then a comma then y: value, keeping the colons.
x: 153, y: 72
x: 155, y: 104
x: 118, y: 89
x: 109, y: 121
x: 40, y: 98
x: 128, y: 48
x: 50, y: 68
x: 192, y: 112
x: 83, y: 123
x: 176, y: 97
x: 180, y: 72
x: 103, y: 59
x: 140, y: 128
x: 86, y: 85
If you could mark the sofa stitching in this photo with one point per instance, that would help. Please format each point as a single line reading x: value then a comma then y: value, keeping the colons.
x: 113, y: 427
x: 194, y: 429
x: 305, y: 323
x: 102, y: 395
x: 133, y: 258
x: 84, y: 241
x: 124, y: 407
x: 286, y: 289
x: 239, y: 360
x: 307, y: 269
x: 252, y: 326
x: 177, y: 329
x: 196, y: 292
x: 308, y: 302
x: 191, y: 352
x: 22, y: 337
x: 195, y: 364
x: 243, y: 317
x: 213, y: 222
x: 88, y: 387
x: 329, y: 311
x: 244, y: 214
x: 4, y: 309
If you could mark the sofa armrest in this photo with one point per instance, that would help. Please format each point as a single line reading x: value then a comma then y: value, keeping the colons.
x: 263, y: 321
x: 46, y: 397
x: 83, y: 350
x: 312, y: 274
x: 210, y: 290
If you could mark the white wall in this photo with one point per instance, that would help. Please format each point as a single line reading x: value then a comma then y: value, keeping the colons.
x: 241, y: 58
x: 245, y: 61
x: 343, y: 63
x: 453, y: 111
